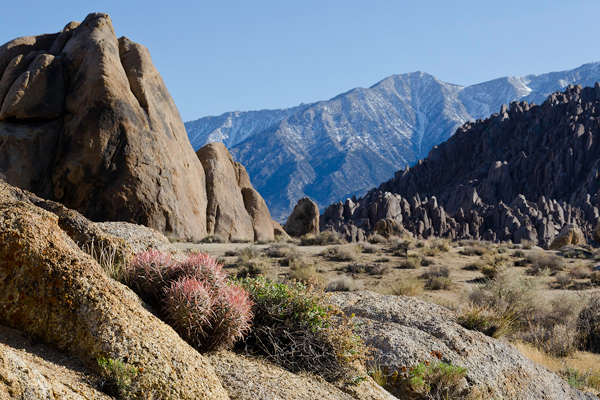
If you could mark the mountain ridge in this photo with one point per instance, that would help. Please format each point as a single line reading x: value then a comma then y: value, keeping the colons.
x: 333, y: 149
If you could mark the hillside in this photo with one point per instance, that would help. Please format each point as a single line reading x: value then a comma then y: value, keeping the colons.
x: 521, y: 174
x: 333, y: 149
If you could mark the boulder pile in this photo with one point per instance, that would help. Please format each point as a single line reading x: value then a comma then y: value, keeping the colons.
x: 528, y: 172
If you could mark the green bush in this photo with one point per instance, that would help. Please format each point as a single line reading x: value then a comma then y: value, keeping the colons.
x: 118, y: 378
x: 436, y: 380
x: 294, y: 328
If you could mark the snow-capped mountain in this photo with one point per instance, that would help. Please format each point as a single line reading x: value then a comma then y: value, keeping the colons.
x: 337, y: 148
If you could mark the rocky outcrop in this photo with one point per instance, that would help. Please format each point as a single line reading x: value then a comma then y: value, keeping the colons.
x: 279, y: 232
x: 82, y: 231
x: 235, y: 210
x: 87, y: 120
x: 55, y: 292
x: 304, y: 219
x: 31, y: 370
x: 529, y: 170
x: 389, y: 227
x: 252, y: 378
x: 140, y: 238
x: 404, y: 331
x: 569, y: 234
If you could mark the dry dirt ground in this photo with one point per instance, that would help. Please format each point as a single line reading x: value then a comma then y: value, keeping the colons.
x: 391, y: 270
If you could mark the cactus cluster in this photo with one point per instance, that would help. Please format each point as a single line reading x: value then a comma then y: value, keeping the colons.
x: 194, y: 296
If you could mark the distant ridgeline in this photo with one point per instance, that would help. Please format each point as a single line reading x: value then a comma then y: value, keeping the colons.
x: 334, y: 149
x: 521, y: 174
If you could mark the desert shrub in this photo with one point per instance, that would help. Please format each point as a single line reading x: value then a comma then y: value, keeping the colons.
x: 518, y: 253
x: 322, y: 239
x: 442, y: 245
x: 340, y: 253
x: 194, y: 296
x: 508, y: 293
x: 430, y: 251
x: 486, y: 320
x: 438, y: 283
x: 254, y: 266
x: 252, y: 262
x: 400, y: 247
x: 364, y: 268
x: 489, y: 271
x: 249, y: 252
x: 294, y: 328
x: 558, y: 340
x: 595, y: 278
x: 376, y: 238
x: 280, y: 250
x: 383, y: 259
x: 291, y: 258
x: 426, y: 262
x: 436, y: 272
x: 563, y: 280
x: 541, y: 261
x: 588, y: 326
x: 213, y: 239
x: 378, y: 269
x: 475, y: 249
x: 437, y: 278
x: 580, y: 272
x: 344, y: 284
x: 552, y: 326
x: 437, y: 381
x: 527, y: 244
x: 408, y: 287
x: 474, y: 266
x: 303, y: 270
x: 368, y: 248
x: 411, y: 262
x: 118, y: 378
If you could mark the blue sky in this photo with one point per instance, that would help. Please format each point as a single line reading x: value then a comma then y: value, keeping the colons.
x: 218, y: 56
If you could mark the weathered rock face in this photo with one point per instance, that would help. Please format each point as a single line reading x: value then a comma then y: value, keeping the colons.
x: 304, y: 219
x: 404, y: 331
x: 528, y: 171
x: 235, y: 210
x: 389, y: 227
x: 32, y: 370
x: 86, y: 120
x: 252, y: 378
x: 51, y: 289
x: 569, y: 234
x: 278, y: 231
x: 226, y: 214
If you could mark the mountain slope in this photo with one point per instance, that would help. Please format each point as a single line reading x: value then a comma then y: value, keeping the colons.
x: 521, y: 174
x: 334, y: 149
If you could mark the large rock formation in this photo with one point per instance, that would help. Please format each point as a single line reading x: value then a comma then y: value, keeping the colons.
x: 50, y: 289
x: 304, y: 219
x: 404, y: 331
x: 529, y: 170
x: 235, y: 210
x: 87, y: 120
